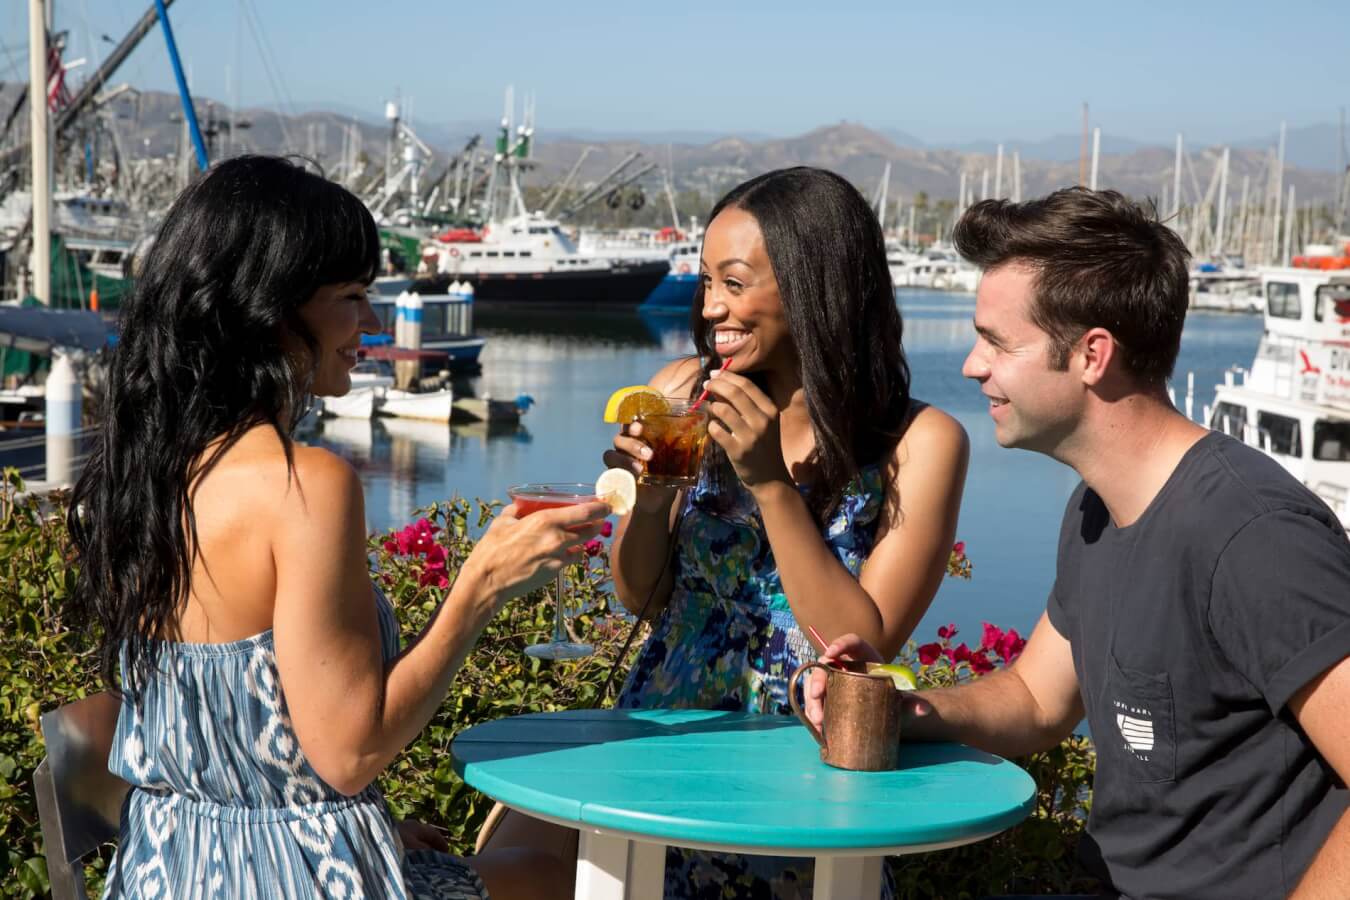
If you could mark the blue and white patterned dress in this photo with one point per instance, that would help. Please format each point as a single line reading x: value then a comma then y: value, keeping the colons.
x: 728, y: 640
x: 225, y: 805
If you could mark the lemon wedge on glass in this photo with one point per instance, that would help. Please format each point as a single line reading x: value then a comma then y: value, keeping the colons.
x: 618, y: 488
x: 901, y: 676
x: 626, y: 404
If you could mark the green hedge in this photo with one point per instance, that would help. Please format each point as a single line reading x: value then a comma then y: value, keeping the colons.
x: 43, y: 664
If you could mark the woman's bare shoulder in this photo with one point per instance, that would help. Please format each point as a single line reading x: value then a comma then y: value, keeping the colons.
x: 933, y: 436
x: 677, y: 378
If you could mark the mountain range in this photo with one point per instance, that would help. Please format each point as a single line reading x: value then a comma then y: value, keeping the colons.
x: 150, y: 124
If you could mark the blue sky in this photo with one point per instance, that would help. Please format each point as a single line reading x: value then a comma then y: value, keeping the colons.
x: 943, y: 72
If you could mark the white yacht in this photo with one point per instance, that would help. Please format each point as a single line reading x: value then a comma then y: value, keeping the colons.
x: 530, y: 258
x: 1294, y: 402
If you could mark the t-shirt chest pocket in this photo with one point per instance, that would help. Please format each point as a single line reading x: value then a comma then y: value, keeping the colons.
x: 1142, y: 737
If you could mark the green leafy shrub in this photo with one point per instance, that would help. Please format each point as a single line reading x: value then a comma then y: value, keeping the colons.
x: 44, y: 664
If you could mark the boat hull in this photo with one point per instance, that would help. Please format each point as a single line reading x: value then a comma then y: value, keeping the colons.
x: 624, y: 283
x: 676, y: 291
x: 434, y: 406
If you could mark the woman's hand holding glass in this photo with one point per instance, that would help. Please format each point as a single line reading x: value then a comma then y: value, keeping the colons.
x: 516, y: 555
x: 631, y: 452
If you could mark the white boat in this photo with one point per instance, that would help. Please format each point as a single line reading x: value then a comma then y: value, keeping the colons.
x: 1226, y: 290
x: 430, y: 406
x: 374, y: 378
x: 358, y: 403
x: 939, y: 268
x: 1294, y: 402
x: 529, y: 258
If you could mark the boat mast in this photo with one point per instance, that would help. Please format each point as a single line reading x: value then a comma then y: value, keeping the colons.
x: 41, y: 152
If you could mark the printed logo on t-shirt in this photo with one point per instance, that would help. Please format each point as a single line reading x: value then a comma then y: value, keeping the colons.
x: 1136, y: 727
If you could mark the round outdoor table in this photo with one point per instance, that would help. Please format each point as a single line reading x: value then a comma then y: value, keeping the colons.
x: 635, y: 781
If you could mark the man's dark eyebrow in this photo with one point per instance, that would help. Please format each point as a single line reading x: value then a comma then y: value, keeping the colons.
x: 988, y: 334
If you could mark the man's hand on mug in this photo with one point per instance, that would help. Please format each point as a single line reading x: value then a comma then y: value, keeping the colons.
x: 850, y: 646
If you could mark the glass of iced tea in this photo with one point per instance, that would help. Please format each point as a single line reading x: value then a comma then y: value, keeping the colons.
x: 676, y: 436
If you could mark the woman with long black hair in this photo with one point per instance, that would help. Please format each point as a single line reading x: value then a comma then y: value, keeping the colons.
x: 263, y: 687
x: 828, y: 496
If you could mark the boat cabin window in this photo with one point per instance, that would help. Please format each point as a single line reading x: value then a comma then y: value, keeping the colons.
x: 1332, y: 300
x: 1230, y: 418
x: 511, y: 253
x: 492, y: 254
x: 537, y: 230
x: 1282, y: 300
x: 527, y: 253
x: 1279, y: 434
x: 1331, y: 441
x: 475, y: 254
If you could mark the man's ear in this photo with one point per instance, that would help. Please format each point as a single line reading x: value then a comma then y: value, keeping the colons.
x: 1096, y: 348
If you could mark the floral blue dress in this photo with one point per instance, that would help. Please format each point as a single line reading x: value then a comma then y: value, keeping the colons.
x: 728, y: 640
x: 225, y: 805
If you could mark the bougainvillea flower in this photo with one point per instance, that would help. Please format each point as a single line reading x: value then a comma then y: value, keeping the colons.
x: 992, y: 635
x: 593, y: 547
x: 980, y: 664
x: 606, y: 529
x: 1010, y: 645
x: 929, y: 653
x: 947, y: 632
x: 391, y: 546
x: 959, y: 548
x: 962, y: 654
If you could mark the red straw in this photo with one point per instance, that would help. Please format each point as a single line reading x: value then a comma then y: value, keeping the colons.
x: 820, y: 640
x: 726, y: 364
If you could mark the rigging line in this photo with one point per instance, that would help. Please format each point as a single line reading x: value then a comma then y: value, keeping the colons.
x: 282, y: 115
x: 271, y: 53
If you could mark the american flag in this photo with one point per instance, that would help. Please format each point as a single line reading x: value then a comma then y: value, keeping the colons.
x: 58, y: 95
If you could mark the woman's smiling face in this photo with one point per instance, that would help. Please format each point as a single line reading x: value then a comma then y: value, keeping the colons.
x: 337, y: 315
x: 740, y: 295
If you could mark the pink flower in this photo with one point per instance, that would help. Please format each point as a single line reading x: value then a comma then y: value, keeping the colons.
x: 929, y: 653
x: 606, y: 529
x: 434, y: 576
x: 980, y: 664
x: 1010, y: 645
x: 959, y: 548
x: 435, y: 556
x: 947, y: 632
x: 962, y: 654
x: 594, y: 547
x: 391, y: 546
x: 992, y: 635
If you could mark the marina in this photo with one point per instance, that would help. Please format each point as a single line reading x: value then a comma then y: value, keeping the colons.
x: 475, y: 277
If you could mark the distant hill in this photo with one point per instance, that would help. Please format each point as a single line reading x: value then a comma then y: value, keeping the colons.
x: 711, y: 163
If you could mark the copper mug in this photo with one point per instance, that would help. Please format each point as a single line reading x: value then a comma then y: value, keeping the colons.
x: 862, y: 717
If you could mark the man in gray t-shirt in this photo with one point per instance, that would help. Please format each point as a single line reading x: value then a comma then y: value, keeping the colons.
x: 1200, y: 617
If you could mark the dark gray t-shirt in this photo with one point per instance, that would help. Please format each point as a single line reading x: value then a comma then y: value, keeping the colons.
x: 1191, y: 629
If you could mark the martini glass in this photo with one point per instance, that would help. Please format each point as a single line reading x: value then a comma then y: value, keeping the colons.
x: 530, y: 499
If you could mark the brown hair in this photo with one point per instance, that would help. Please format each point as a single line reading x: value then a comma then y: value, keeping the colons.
x: 1100, y: 261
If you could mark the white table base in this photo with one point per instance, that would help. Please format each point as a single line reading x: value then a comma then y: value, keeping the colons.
x: 615, y: 868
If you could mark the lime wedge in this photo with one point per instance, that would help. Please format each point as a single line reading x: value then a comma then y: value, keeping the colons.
x: 901, y: 676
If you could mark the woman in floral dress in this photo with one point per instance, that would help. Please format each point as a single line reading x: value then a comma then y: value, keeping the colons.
x: 828, y: 497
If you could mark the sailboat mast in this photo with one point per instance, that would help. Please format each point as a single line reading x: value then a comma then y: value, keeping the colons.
x: 41, y: 154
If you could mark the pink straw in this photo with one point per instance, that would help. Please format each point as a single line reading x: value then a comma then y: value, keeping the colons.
x: 820, y: 640
x: 726, y: 364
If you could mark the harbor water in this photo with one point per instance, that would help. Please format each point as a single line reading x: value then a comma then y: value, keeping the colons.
x: 569, y: 362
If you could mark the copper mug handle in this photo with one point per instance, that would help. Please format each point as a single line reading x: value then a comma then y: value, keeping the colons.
x: 797, y: 707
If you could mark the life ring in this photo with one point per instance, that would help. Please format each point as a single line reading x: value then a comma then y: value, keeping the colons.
x: 454, y: 251
x: 684, y: 268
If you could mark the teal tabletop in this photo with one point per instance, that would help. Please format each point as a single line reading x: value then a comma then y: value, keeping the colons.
x: 699, y: 777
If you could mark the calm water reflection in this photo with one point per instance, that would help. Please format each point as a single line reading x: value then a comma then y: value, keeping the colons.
x: 571, y: 361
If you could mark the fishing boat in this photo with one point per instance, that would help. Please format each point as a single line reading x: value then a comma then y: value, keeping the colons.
x: 1294, y: 402
x: 529, y: 258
